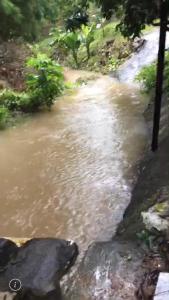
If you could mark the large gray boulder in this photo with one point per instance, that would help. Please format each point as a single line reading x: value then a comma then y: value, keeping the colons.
x: 39, y: 265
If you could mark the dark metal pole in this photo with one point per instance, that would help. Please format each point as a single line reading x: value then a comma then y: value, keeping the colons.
x: 160, y: 73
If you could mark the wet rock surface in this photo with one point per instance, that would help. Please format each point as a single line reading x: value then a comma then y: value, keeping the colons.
x: 109, y: 270
x: 39, y: 265
x: 117, y: 269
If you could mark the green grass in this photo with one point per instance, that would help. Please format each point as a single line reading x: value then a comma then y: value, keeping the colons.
x: 148, y: 29
x: 105, y: 34
x: 147, y: 76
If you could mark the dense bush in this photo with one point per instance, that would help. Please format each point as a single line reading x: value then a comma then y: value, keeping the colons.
x: 10, y: 99
x: 44, y: 82
x: 16, y: 102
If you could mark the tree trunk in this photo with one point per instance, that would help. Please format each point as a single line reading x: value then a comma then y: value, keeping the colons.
x: 160, y: 74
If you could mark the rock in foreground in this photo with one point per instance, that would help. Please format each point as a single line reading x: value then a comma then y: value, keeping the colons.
x: 109, y: 271
x: 39, y: 265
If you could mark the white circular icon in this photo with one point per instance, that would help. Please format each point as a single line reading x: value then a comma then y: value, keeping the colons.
x: 15, y: 285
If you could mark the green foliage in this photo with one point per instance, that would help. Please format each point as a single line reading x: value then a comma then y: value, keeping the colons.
x: 25, y: 18
x: 87, y: 35
x: 69, y: 8
x: 69, y: 41
x: 16, y: 102
x: 10, y: 99
x: 98, y: 47
x: 72, y: 42
x: 4, y: 115
x: 135, y: 14
x: 147, y: 77
x: 108, y: 50
x: 45, y: 81
x: 114, y: 63
x: 9, y: 8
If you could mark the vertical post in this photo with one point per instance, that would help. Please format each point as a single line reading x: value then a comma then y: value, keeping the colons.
x: 160, y: 73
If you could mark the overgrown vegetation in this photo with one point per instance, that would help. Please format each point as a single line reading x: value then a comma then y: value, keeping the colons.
x: 96, y: 47
x: 147, y: 76
x: 44, y: 82
x: 79, y: 38
x: 27, y: 18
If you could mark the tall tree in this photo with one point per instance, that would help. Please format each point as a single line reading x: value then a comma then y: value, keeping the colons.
x: 138, y: 13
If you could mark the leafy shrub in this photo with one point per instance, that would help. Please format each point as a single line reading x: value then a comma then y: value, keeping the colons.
x: 10, y: 99
x: 44, y: 82
x: 4, y: 115
x: 147, y: 77
x: 25, y: 103
x: 69, y: 41
x: 72, y: 41
x: 13, y: 101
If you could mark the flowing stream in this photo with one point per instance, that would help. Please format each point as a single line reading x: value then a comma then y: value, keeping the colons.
x: 147, y: 55
x: 69, y: 173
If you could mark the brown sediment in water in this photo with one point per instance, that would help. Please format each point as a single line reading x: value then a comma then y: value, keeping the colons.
x: 69, y: 173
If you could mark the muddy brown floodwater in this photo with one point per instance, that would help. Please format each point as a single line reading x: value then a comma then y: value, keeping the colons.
x: 69, y: 172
